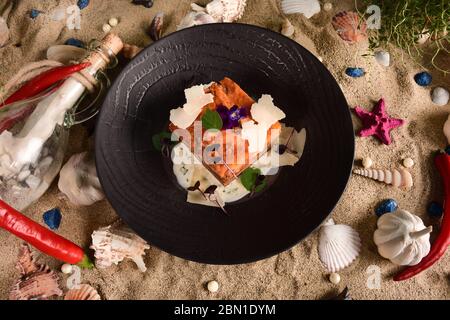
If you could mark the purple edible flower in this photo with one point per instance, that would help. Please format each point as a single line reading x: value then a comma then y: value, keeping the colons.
x: 230, y: 117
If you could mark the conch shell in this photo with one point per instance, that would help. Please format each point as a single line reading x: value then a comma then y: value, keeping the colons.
x: 195, y: 19
x: 84, y: 292
x: 112, y: 245
x: 79, y: 182
x: 400, y: 178
x: 36, y: 281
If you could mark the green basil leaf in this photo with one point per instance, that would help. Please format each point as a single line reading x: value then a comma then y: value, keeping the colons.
x: 157, y: 139
x: 248, y: 179
x: 212, y: 120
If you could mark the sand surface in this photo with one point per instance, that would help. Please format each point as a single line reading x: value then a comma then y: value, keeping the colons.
x: 296, y: 273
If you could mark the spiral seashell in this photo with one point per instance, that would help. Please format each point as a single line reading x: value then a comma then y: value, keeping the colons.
x: 349, y: 26
x: 339, y: 245
x: 400, y: 178
x: 226, y: 10
x: 84, y: 292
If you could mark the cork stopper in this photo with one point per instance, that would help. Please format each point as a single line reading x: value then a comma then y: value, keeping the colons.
x: 110, y: 46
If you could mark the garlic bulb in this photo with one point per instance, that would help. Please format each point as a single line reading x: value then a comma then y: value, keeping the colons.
x: 79, y: 182
x: 402, y: 238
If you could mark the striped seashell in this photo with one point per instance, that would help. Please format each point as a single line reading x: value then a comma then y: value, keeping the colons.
x: 339, y: 245
x: 400, y: 178
x: 306, y: 7
x: 84, y: 292
x: 349, y: 26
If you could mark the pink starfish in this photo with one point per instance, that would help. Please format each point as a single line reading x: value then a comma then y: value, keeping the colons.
x: 377, y: 123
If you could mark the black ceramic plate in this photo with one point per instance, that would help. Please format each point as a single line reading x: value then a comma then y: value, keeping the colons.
x: 142, y: 190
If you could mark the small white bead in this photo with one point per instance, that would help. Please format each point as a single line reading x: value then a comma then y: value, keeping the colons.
x: 106, y: 28
x: 367, y: 162
x: 213, y: 286
x: 408, y: 162
x: 113, y: 22
x: 66, y: 268
x: 327, y: 6
x: 335, y: 278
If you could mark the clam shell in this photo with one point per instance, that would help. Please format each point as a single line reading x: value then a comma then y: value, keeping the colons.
x: 84, y: 292
x: 307, y: 7
x: 65, y: 53
x: 112, y: 245
x: 226, y: 10
x: 349, y: 26
x: 339, y: 246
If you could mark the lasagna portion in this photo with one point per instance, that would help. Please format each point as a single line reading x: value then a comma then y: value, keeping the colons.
x: 225, y: 128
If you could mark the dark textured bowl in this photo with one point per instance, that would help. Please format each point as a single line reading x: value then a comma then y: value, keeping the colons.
x: 142, y: 190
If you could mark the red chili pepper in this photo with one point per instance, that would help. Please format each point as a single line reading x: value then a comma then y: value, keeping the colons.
x: 441, y: 243
x: 44, y: 81
x: 42, y: 238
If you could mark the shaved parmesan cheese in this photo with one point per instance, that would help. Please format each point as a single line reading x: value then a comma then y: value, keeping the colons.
x: 181, y: 118
x: 265, y: 112
x: 197, y: 198
x: 255, y: 134
x: 196, y: 99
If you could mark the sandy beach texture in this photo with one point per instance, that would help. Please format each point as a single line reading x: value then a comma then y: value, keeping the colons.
x: 298, y: 272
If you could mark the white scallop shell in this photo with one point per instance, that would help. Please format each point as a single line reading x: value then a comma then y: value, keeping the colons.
x: 112, y: 245
x: 339, y: 245
x: 84, y: 292
x: 226, y: 10
x: 400, y: 178
x: 307, y: 7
